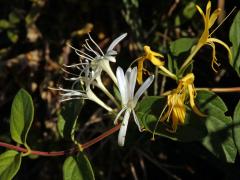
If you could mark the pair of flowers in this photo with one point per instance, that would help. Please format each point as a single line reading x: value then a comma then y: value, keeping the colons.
x: 92, y: 63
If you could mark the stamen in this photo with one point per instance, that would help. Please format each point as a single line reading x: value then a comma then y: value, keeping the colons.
x: 95, y: 44
x: 91, y: 49
x: 223, y: 21
x: 82, y: 56
x: 77, y: 52
x: 155, y: 128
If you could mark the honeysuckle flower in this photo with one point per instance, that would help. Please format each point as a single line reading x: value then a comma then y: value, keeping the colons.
x: 85, y: 93
x: 155, y: 59
x: 96, y: 60
x: 209, y: 19
x: 177, y: 98
x: 126, y: 85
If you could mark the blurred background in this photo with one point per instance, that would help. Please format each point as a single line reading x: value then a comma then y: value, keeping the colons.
x: 33, y: 47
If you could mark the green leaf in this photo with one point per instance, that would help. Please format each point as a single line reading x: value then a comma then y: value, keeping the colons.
x: 10, y: 162
x: 236, y: 126
x: 12, y: 35
x: 4, y: 24
x: 189, y: 10
x: 181, y: 45
x: 22, y: 113
x: 67, y: 118
x: 234, y: 36
x: 214, y: 130
x: 14, y: 18
x: 219, y: 140
x: 149, y: 111
x: 78, y: 168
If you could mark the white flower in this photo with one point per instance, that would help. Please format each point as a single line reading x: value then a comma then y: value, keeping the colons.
x: 85, y: 93
x: 96, y: 60
x: 126, y: 85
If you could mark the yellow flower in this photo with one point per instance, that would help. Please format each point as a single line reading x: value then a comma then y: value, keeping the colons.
x: 154, y: 57
x: 176, y: 102
x: 151, y: 56
x: 209, y: 20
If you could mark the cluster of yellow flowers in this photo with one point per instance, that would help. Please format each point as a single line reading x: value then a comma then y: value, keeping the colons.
x: 185, y: 91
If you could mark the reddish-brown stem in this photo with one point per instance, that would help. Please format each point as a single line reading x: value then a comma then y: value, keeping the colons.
x: 65, y: 152
x: 102, y: 136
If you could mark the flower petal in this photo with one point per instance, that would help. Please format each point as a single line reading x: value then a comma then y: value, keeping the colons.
x: 205, y: 33
x: 118, y: 115
x: 136, y: 121
x: 132, y: 82
x: 208, y: 11
x: 224, y: 45
x: 214, y: 17
x: 192, y: 103
x: 123, y: 129
x: 110, y: 58
x: 143, y: 88
x: 122, y: 85
x: 157, y: 62
x: 116, y: 41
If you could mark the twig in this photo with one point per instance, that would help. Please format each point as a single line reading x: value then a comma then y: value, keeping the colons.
x: 64, y: 152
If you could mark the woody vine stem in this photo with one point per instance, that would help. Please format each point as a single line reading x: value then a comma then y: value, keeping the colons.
x: 64, y: 152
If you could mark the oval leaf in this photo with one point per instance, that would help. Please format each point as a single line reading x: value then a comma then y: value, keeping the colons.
x: 214, y: 130
x: 21, y: 116
x: 236, y: 126
x: 181, y: 45
x: 67, y: 118
x: 78, y: 168
x: 10, y: 162
x: 149, y: 111
x: 234, y: 36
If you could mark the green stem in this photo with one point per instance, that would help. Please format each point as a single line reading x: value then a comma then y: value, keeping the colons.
x: 188, y: 61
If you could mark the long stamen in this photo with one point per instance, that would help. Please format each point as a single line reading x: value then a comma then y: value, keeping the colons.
x: 73, y: 65
x: 135, y: 60
x: 91, y: 49
x: 95, y: 44
x: 155, y: 128
x: 223, y: 21
x: 79, y: 51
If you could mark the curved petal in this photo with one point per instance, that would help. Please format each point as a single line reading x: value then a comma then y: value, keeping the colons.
x: 111, y: 53
x: 214, y: 17
x: 192, y: 103
x: 208, y: 11
x: 224, y: 45
x: 118, y: 115
x: 136, y: 121
x: 122, y: 85
x: 214, y: 59
x: 157, y: 62
x: 123, y: 129
x: 116, y: 41
x: 201, y: 12
x: 143, y: 88
x: 132, y: 82
x: 110, y: 58
x: 205, y: 33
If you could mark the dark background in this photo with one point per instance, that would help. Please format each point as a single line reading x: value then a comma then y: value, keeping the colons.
x: 33, y: 38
